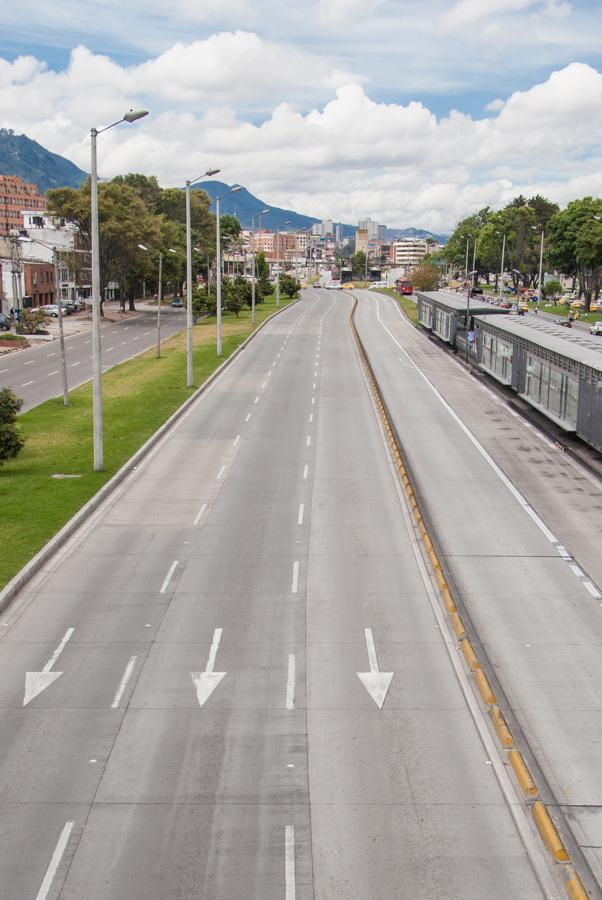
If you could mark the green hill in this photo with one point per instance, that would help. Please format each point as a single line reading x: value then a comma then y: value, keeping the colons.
x: 21, y: 156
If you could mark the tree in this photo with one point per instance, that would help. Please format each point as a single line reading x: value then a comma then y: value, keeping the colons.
x: 124, y: 222
x: 237, y: 293
x: 11, y: 439
x: 289, y: 286
x: 358, y: 263
x: 574, y: 238
x: 146, y: 186
x: 425, y: 276
x: 551, y: 289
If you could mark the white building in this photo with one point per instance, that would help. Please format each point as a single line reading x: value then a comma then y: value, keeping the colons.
x: 408, y: 252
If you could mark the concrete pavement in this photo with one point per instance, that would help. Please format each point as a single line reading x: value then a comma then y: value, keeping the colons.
x: 499, y: 498
x: 245, y: 690
x: 34, y: 374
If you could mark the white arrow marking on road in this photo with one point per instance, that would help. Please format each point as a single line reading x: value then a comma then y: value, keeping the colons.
x: 207, y: 681
x: 36, y: 682
x: 376, y: 683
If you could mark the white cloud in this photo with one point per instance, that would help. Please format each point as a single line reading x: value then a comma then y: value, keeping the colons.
x: 346, y: 11
x: 346, y: 158
x: 469, y: 12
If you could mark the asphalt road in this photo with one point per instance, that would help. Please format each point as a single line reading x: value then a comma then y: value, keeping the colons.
x: 34, y: 374
x: 240, y: 684
x: 519, y: 525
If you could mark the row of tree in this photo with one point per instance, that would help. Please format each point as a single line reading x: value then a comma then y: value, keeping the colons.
x: 572, y: 242
x: 134, y: 209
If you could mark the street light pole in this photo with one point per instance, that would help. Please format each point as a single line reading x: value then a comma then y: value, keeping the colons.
x: 159, y: 302
x: 278, y: 263
x: 218, y: 262
x: 502, y: 269
x: 257, y: 216
x: 131, y: 116
x: 540, y: 283
x: 59, y: 304
x: 189, y: 361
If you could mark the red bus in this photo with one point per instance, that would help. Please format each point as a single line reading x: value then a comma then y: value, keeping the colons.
x: 404, y: 287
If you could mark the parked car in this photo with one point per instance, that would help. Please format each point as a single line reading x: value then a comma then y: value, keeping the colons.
x: 317, y: 284
x: 596, y: 327
x: 51, y: 309
x: 177, y: 303
x: 4, y: 323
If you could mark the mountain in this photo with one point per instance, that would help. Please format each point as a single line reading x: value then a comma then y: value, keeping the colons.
x: 21, y: 156
x: 244, y: 205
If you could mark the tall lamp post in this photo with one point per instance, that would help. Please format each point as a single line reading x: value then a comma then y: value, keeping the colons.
x: 503, y: 260
x: 129, y: 117
x: 256, y: 216
x: 189, y: 364
x: 540, y: 282
x: 218, y: 263
x: 278, y: 262
x: 159, y: 294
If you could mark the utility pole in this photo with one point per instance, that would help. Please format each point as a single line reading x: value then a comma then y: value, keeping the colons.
x: 159, y: 302
x: 59, y: 304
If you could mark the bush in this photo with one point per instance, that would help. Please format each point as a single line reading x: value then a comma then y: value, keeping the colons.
x: 551, y: 289
x: 289, y: 286
x: 11, y: 439
x: 33, y: 321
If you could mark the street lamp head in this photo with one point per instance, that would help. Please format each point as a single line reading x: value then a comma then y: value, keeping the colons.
x: 236, y: 188
x: 134, y: 114
x: 211, y: 172
x: 171, y: 250
x: 263, y: 212
x: 142, y: 247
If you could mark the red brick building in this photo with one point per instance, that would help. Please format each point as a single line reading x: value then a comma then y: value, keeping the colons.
x: 17, y: 195
x: 39, y: 283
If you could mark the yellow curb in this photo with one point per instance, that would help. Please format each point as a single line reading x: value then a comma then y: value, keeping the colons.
x: 499, y: 723
x: 469, y: 655
x: 448, y: 599
x: 440, y: 577
x: 484, y: 687
x: 548, y: 832
x: 457, y: 625
x: 574, y: 886
x: 523, y: 776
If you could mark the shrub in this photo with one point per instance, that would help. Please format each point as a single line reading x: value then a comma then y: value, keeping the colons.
x: 11, y: 439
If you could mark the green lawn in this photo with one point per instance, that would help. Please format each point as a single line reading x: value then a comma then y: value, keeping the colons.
x: 138, y: 396
x: 408, y: 306
x: 563, y: 311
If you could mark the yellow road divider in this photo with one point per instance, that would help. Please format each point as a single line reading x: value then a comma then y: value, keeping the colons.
x: 523, y: 776
x: 548, y: 832
x: 541, y: 816
x: 574, y: 886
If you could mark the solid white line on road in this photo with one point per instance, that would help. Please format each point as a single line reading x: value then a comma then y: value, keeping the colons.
x: 248, y: 416
x: 256, y: 400
x: 200, y: 514
x: 564, y: 553
x: 27, y: 383
x: 295, y: 582
x: 311, y: 417
x: 290, y: 682
x: 308, y: 440
x: 300, y: 517
x: 167, y: 578
x: 289, y: 863
x: 221, y: 472
x: 55, y: 861
x: 305, y: 471
x: 471, y: 437
x: 74, y: 364
x: 592, y: 589
x: 124, y: 682
x: 29, y: 362
x: 236, y: 440
x: 576, y: 571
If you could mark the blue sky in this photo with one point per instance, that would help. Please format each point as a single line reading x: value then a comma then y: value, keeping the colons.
x: 234, y: 65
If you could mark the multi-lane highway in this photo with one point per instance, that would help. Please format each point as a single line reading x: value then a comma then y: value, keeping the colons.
x: 237, y: 680
x: 34, y: 374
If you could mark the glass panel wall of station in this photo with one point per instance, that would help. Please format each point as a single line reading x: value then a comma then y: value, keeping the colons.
x: 554, y: 390
x: 496, y: 357
x: 442, y: 325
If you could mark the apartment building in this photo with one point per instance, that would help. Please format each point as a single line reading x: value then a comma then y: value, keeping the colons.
x: 408, y: 252
x: 17, y: 195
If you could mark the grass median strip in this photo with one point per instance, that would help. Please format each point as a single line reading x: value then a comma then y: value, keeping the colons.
x: 138, y: 396
x: 409, y: 307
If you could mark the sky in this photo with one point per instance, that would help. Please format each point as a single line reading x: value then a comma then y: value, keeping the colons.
x: 412, y: 113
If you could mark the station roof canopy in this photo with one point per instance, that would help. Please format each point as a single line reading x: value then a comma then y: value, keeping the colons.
x: 571, y: 343
x: 458, y: 302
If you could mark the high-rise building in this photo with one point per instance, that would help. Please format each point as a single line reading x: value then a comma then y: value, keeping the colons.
x: 408, y: 251
x: 17, y: 195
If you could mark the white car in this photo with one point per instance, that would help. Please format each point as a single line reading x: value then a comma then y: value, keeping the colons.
x: 596, y: 327
x: 51, y: 309
x: 377, y: 284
